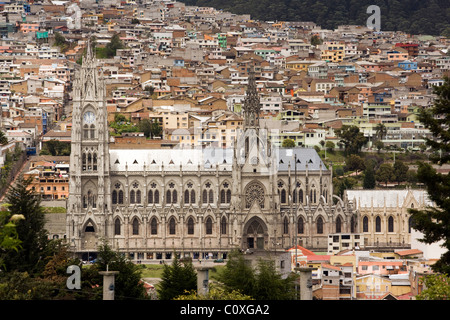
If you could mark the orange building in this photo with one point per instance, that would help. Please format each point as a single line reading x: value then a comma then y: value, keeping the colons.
x: 50, y: 176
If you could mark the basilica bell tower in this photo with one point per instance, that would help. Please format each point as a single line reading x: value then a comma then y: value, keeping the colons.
x: 89, y: 186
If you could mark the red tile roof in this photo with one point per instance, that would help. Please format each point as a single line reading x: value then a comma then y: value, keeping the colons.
x: 304, y: 251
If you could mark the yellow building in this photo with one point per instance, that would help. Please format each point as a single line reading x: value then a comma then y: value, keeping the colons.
x: 300, y: 65
x: 333, y: 52
x: 372, y: 287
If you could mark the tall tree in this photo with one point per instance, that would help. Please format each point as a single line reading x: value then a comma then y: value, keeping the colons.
x: 31, y: 230
x: 369, y: 178
x: 238, y: 275
x: 400, y: 171
x: 434, y: 221
x: 177, y: 279
x: 380, y: 131
x: 270, y: 285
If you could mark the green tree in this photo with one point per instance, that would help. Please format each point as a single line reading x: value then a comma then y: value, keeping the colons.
x: 379, y: 145
x: 156, y: 130
x: 330, y: 146
x: 59, y: 39
x: 215, y: 292
x: 269, y: 285
x: 369, y: 181
x: 400, y: 171
x: 177, y: 279
x: 9, y: 238
x: 354, y: 163
x: 385, y: 173
x: 315, y: 40
x: 31, y: 230
x: 56, y: 148
x: 288, y: 143
x: 145, y: 126
x: 238, y: 275
x: 436, y: 287
x: 3, y: 138
x: 342, y: 184
x: 128, y: 284
x: 114, y: 44
x: 352, y: 139
x: 434, y: 221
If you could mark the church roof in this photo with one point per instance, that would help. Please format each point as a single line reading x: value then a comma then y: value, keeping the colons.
x: 171, y: 159
x: 207, y: 159
x: 388, y: 198
x: 305, y: 156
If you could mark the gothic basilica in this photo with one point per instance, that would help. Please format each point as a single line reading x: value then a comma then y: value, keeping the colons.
x: 150, y: 203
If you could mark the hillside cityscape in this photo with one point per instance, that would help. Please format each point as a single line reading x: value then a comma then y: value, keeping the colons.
x: 189, y: 152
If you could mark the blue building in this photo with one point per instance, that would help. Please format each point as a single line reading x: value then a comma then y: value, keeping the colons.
x: 408, y: 65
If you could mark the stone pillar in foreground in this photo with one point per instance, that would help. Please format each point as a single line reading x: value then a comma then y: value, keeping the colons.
x: 108, y: 284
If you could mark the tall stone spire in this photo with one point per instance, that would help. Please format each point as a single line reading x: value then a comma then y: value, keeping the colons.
x: 90, y: 86
x: 252, y: 105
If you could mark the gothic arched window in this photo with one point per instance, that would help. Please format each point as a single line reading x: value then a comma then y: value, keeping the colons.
x: 120, y: 196
x: 300, y: 196
x: 153, y: 226
x: 338, y: 224
x: 168, y: 196
x: 319, y: 225
x: 283, y: 196
x: 150, y: 196
x: 86, y: 131
x: 223, y: 225
x: 208, y: 225
x: 186, y: 196
x: 114, y: 197
x: 365, y: 224
x: 135, y: 226
x: 391, y: 224
x: 156, y: 197
x: 300, y: 225
x: 132, y: 196
x: 378, y: 224
x: 172, y: 225
x: 174, y: 196
x: 211, y: 196
x: 190, y: 226
x: 138, y: 196
x: 228, y: 196
x: 94, y: 162
x: 205, y: 196
x: 222, y: 196
x: 117, y: 227
x: 193, y: 196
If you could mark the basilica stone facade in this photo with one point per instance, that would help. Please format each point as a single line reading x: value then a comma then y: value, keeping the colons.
x: 200, y: 203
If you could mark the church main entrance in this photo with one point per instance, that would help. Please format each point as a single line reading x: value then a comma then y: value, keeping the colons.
x: 255, y: 234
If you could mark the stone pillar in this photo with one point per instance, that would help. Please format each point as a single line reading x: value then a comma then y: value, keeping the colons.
x: 202, y: 280
x: 305, y: 282
x: 108, y: 284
